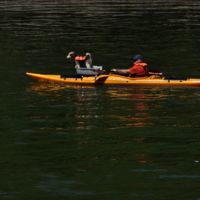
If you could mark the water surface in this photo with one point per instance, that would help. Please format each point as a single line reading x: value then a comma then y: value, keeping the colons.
x: 98, y: 142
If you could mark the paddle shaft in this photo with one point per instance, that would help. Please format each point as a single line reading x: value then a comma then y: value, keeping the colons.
x: 151, y: 72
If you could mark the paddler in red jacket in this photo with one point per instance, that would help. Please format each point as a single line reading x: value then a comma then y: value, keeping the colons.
x: 138, y: 70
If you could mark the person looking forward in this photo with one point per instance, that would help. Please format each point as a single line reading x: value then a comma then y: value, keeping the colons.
x: 138, y: 70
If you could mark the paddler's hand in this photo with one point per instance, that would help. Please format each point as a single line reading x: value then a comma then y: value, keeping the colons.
x: 114, y: 70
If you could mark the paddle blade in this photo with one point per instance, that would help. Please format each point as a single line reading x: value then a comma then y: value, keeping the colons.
x: 155, y: 73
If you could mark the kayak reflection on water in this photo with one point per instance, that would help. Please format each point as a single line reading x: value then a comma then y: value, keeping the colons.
x: 137, y: 115
x: 85, y: 108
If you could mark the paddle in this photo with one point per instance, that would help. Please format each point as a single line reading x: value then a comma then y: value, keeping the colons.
x: 100, y: 71
x: 155, y: 73
x: 151, y: 72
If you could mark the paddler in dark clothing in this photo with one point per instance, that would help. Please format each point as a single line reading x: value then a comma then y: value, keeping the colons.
x: 81, y: 61
x: 138, y: 70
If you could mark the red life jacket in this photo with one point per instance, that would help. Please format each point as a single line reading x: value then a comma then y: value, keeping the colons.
x: 139, y: 70
x: 80, y: 58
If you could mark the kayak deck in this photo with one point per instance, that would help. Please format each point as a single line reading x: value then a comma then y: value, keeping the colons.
x: 114, y: 79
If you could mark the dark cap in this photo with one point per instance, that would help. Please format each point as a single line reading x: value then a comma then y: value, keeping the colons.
x: 135, y: 58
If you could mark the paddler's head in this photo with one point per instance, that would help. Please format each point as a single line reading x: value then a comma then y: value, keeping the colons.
x: 137, y: 59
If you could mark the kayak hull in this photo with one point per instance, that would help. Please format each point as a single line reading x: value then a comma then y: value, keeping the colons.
x: 114, y: 79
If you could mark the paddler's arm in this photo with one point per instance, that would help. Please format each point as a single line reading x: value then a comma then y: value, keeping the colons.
x: 121, y: 71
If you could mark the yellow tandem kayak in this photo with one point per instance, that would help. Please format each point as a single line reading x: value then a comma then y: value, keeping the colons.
x: 115, y: 79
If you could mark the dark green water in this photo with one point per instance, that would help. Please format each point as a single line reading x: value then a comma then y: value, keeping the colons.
x: 98, y: 142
